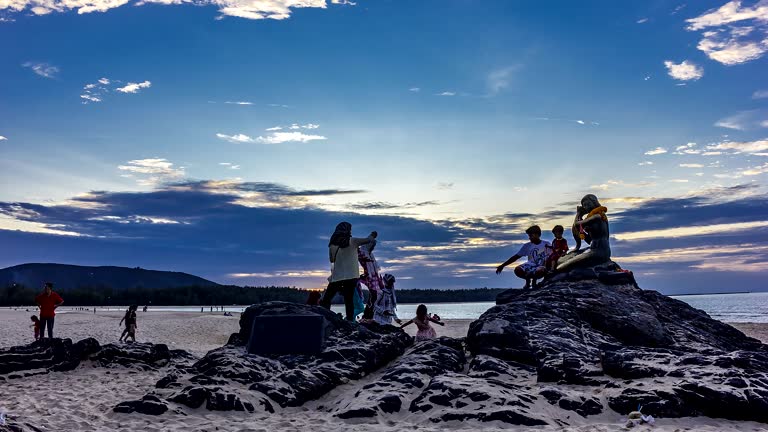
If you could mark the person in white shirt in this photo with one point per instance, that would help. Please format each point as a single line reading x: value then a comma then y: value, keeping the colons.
x: 345, y: 270
x: 536, y: 250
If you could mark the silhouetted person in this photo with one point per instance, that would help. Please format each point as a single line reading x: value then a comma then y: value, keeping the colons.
x: 48, y: 301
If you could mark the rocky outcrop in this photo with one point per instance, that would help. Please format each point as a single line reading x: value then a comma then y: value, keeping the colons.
x: 634, y: 347
x: 45, y: 355
x: 56, y: 355
x: 229, y: 378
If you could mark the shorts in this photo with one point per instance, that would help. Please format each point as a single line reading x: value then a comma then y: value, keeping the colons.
x: 530, y: 267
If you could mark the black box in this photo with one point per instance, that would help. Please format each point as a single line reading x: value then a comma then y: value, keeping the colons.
x: 287, y: 334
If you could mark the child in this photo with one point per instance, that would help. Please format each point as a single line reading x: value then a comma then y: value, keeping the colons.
x: 559, y: 247
x: 385, y: 308
x: 422, y: 321
x: 130, y: 324
x: 36, y: 325
x: 536, y: 251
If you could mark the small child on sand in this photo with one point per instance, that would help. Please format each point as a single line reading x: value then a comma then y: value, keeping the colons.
x: 422, y: 321
x: 559, y: 247
x: 36, y: 325
x: 536, y: 251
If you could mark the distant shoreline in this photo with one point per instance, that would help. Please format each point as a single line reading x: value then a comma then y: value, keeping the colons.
x: 715, y: 293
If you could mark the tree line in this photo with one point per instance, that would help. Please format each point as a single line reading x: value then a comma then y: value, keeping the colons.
x: 19, y: 295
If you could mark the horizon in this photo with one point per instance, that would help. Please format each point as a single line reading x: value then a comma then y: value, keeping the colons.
x: 226, y: 140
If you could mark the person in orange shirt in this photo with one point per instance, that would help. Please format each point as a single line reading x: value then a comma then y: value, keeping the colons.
x: 48, y: 301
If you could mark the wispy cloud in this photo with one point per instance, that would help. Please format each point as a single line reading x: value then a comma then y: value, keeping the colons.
x: 642, y: 21
x: 381, y: 205
x: 446, y: 93
x: 760, y: 94
x: 248, y: 9
x: 274, y: 138
x: 687, y: 149
x: 134, y: 87
x: 734, y: 33
x: 644, y: 163
x: 685, y: 71
x: 656, y: 151
x: 414, y: 89
x: 691, y: 165
x: 230, y: 165
x: 238, y: 103
x: 2, y: 138
x: 43, y: 69
x: 153, y: 171
x: 744, y: 120
x: 499, y: 79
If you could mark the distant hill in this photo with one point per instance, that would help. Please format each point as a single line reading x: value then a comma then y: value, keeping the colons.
x: 66, y: 277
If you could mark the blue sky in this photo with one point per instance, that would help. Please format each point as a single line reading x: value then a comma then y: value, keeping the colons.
x: 227, y: 138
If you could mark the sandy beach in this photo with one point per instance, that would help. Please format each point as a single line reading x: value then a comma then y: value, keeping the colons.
x: 82, y: 400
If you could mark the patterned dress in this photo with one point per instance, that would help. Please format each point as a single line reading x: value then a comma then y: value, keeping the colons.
x: 425, y: 329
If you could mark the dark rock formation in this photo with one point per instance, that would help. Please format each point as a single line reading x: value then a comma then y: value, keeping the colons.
x: 150, y: 405
x: 401, y: 381
x: 45, y: 355
x: 138, y: 355
x: 229, y: 378
x: 639, y: 347
x: 56, y: 355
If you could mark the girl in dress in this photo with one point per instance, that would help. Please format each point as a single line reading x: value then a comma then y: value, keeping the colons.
x: 385, y: 308
x: 422, y: 321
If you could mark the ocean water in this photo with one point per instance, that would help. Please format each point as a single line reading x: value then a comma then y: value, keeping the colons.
x: 747, y: 307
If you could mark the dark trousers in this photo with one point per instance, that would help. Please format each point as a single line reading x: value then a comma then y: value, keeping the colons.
x: 43, y: 323
x: 346, y: 288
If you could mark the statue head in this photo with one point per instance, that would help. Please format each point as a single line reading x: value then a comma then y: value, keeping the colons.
x: 589, y: 203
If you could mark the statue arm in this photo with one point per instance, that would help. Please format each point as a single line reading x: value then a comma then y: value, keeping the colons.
x: 589, y: 219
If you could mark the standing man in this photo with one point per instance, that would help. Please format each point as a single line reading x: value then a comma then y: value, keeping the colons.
x: 48, y: 301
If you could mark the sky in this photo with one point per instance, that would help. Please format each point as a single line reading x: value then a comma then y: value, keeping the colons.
x: 227, y: 138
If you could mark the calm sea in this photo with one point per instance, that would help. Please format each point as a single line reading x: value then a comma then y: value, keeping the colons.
x: 748, y: 307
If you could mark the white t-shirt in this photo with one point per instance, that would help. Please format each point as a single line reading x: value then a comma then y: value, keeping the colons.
x: 345, y: 264
x: 535, y: 252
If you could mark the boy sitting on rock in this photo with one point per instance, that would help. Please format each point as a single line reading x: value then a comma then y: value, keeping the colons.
x: 536, y: 251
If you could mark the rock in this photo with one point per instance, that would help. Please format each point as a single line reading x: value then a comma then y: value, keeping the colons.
x: 139, y: 355
x: 149, y: 404
x: 640, y: 347
x: 46, y: 355
x: 351, y: 351
x: 404, y: 379
x: 454, y: 396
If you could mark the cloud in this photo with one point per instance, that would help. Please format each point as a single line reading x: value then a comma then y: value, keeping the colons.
x: 274, y: 138
x: 446, y: 93
x: 414, y: 89
x: 239, y: 103
x: 230, y: 165
x: 380, y: 205
x: 752, y: 147
x: 445, y: 185
x: 691, y: 165
x: 2, y: 138
x: 134, y: 87
x: 744, y: 120
x: 656, y: 151
x: 733, y: 34
x: 249, y: 9
x: 43, y: 69
x: 685, y: 71
x: 152, y: 171
x: 278, y: 106
x: 96, y: 91
x: 687, y: 149
x: 642, y: 20
x: 760, y: 94
x: 762, y: 169
x: 276, y: 128
x: 643, y: 163
x: 497, y: 80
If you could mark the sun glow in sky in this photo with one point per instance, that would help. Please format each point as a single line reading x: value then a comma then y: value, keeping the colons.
x: 227, y: 138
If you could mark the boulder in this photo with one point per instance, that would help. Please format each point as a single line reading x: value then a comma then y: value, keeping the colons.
x: 639, y: 347
x: 45, y: 355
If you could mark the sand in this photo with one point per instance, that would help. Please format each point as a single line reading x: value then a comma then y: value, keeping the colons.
x: 82, y: 400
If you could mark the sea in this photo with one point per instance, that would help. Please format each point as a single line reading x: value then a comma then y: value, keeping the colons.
x: 740, y: 307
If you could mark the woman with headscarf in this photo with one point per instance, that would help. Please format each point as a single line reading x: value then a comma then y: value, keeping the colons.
x: 385, y: 308
x: 342, y: 252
